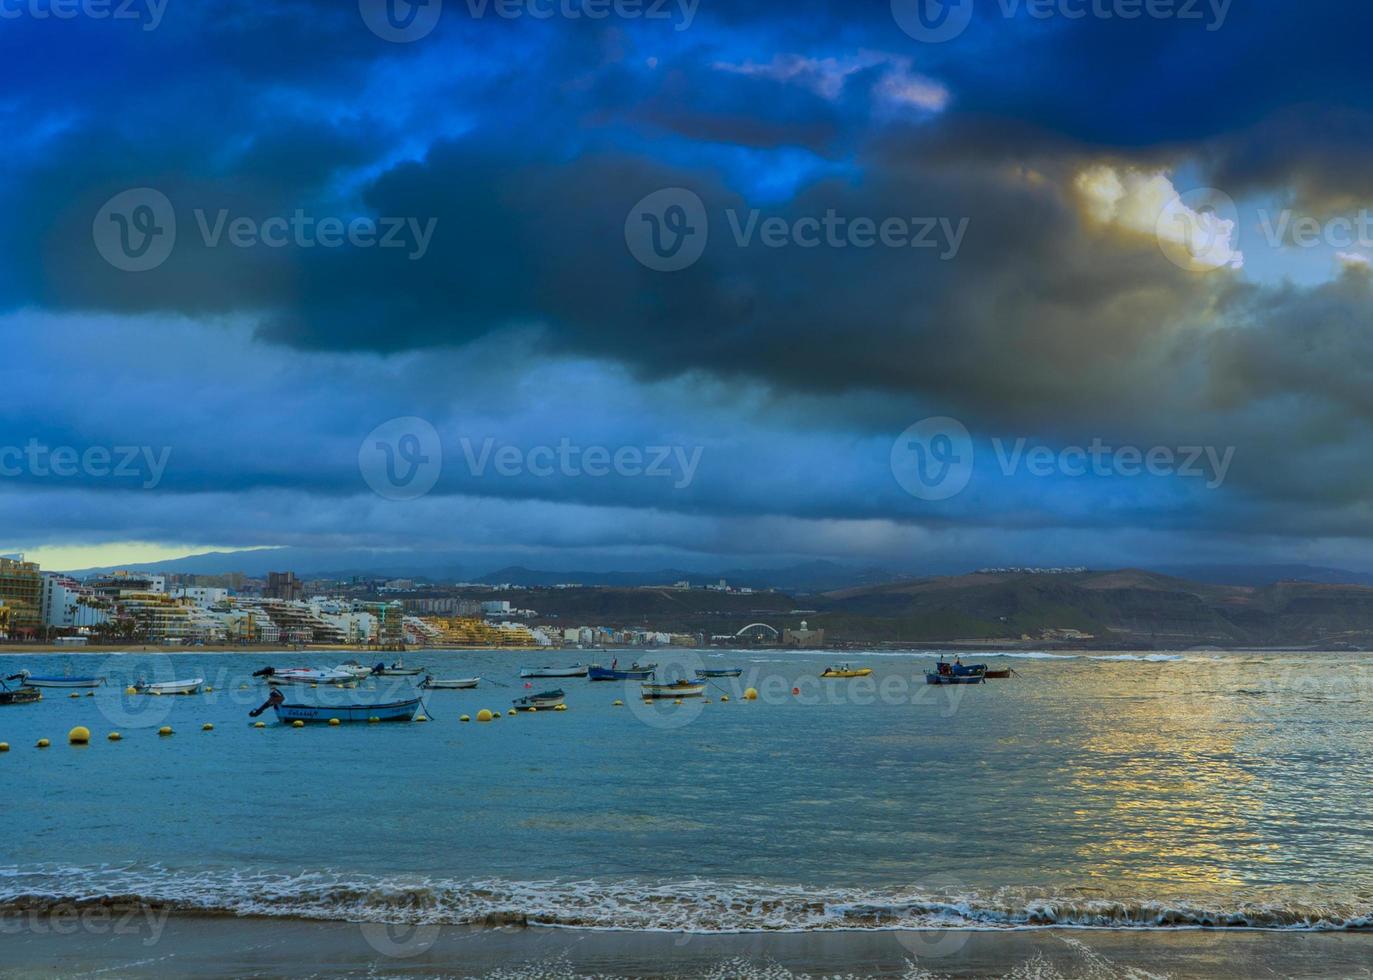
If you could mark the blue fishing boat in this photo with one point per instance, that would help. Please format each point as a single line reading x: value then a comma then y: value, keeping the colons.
x: 634, y: 672
x: 384, y: 711
x: 720, y: 672
x: 956, y: 673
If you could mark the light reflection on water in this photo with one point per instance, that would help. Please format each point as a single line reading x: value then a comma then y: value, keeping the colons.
x: 1226, y: 778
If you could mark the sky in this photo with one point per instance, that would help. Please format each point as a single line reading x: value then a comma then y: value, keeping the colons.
x: 616, y: 284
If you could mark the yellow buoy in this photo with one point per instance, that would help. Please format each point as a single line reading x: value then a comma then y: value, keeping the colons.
x: 259, y: 724
x: 165, y: 730
x: 90, y: 694
x: 314, y: 685
x: 333, y: 721
x: 297, y: 724
x: 421, y: 718
x: 724, y: 697
x: 751, y: 694
x: 464, y: 718
x: 80, y: 735
x: 42, y: 743
x: 676, y: 700
x: 4, y: 746
x: 207, y: 727
x: 73, y: 695
x: 532, y: 709
x: 130, y: 690
x: 617, y: 703
x: 484, y: 715
x: 510, y: 712
x: 208, y: 690
x: 114, y: 736
x: 243, y: 687
x: 561, y: 707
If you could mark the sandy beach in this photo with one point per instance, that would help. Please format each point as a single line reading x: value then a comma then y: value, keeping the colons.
x: 212, y: 947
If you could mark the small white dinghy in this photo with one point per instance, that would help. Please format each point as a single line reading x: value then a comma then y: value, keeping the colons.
x: 170, y: 687
x: 449, y: 684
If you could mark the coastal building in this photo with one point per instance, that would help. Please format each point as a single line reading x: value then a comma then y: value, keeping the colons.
x: 21, y: 589
x: 803, y: 638
x: 284, y: 586
x: 68, y: 604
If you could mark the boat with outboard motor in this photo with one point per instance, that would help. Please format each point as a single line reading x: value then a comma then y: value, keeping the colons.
x: 305, y: 675
x: 397, y: 669
x: 432, y: 683
x: 29, y: 680
x: 18, y: 695
x: 403, y: 710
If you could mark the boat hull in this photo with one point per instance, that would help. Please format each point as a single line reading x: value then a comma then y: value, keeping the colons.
x: 390, y: 711
x: 720, y: 672
x: 998, y: 674
x: 25, y: 695
x: 609, y: 674
x: 578, y: 671
x: 847, y: 673
x: 457, y: 684
x: 954, y: 678
x: 63, y: 682
x: 652, y: 691
x: 172, y: 687
x: 544, y: 699
x: 280, y: 680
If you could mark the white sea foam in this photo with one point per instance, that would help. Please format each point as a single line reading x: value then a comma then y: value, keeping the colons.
x: 691, y: 905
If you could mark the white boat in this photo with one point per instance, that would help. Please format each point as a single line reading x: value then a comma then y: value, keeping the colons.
x: 449, y: 684
x: 304, y: 675
x: 170, y: 687
x: 678, y: 689
x: 354, y: 669
x: 29, y: 680
x: 576, y: 670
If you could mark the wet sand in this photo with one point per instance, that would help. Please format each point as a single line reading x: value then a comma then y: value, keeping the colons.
x: 152, y: 945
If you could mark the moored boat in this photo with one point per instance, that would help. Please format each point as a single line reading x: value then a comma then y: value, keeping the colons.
x: 846, y: 671
x: 304, y: 675
x: 576, y: 670
x: 634, y: 672
x: 28, y: 680
x: 355, y: 669
x: 431, y: 683
x: 720, y: 672
x: 1002, y: 674
x: 403, y: 710
x: 544, y: 699
x: 18, y: 695
x: 931, y: 677
x: 677, y: 689
x: 170, y: 687
x: 398, y: 669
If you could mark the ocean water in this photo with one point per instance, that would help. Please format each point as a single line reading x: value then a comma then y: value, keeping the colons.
x: 1127, y: 791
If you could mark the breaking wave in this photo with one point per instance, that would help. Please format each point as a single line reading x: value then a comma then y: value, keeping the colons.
x: 691, y: 905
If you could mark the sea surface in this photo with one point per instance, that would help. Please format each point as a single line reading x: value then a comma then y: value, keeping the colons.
x: 1098, y: 790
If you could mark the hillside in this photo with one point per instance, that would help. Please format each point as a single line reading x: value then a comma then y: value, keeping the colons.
x: 1117, y: 608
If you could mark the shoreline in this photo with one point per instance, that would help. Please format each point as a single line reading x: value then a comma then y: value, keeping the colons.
x: 949, y: 646
x: 200, y: 946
